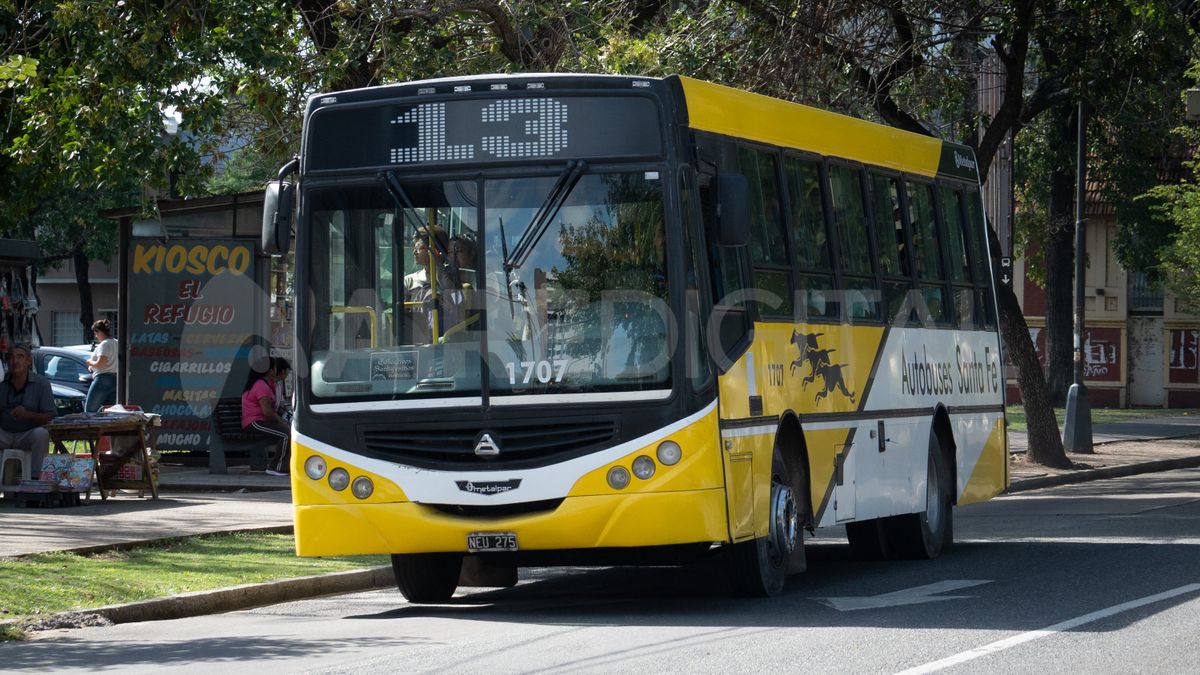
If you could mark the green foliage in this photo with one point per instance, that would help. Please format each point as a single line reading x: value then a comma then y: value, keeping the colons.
x: 1127, y: 62
x: 1178, y: 204
x: 16, y: 70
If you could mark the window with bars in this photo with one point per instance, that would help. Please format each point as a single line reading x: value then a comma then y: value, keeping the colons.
x: 65, y: 329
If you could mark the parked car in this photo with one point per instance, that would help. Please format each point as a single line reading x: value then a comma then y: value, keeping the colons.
x: 66, y: 366
x: 66, y: 399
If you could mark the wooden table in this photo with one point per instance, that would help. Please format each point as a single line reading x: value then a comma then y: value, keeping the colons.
x: 89, y: 428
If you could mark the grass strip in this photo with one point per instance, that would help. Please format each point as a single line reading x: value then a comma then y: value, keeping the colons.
x: 1016, y: 415
x: 47, y: 583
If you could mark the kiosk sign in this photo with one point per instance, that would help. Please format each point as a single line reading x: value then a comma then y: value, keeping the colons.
x: 192, y: 313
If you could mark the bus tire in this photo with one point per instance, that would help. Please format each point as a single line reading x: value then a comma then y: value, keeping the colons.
x: 927, y: 534
x: 427, y: 577
x: 868, y: 539
x: 759, y: 567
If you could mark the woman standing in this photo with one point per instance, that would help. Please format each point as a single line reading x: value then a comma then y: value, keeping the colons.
x: 103, y: 365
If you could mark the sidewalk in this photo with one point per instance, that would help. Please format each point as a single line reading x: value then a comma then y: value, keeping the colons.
x: 1121, y: 449
x: 1152, y: 429
x: 192, y: 501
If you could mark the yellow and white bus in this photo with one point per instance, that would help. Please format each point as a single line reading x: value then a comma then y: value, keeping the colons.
x: 592, y: 319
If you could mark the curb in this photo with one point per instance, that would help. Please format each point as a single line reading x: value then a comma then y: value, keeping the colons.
x: 1101, y: 474
x: 246, y: 596
x: 234, y: 598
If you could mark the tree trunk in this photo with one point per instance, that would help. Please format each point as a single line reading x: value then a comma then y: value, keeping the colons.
x: 86, y: 309
x: 1060, y: 266
x: 1045, y: 442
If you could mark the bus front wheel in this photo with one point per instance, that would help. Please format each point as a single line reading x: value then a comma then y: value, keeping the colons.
x: 759, y: 567
x: 427, y: 577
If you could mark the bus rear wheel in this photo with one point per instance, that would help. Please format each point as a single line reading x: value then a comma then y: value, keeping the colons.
x: 759, y: 567
x: 427, y: 577
x: 929, y: 533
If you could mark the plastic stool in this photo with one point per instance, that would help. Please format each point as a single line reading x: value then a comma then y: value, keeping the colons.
x: 22, y: 471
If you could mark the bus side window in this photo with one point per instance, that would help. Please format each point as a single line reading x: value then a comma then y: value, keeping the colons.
x: 985, y: 313
x: 768, y: 239
x: 895, y: 266
x: 927, y: 254
x: 810, y: 241
x: 854, y: 245
x: 730, y: 316
x: 950, y: 201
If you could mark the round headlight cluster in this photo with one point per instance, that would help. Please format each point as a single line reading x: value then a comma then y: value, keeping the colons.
x: 339, y: 479
x: 315, y: 467
x: 669, y: 453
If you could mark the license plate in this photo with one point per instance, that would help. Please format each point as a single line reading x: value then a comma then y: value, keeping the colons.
x: 481, y: 542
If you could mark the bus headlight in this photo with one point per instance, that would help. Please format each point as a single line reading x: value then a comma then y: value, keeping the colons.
x: 669, y: 453
x: 363, y: 487
x: 339, y: 479
x: 643, y: 467
x: 315, y: 467
x: 618, y: 478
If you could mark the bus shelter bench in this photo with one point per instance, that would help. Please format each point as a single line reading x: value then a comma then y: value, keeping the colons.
x: 227, y: 421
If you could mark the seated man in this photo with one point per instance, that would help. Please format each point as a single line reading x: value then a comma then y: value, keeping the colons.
x: 26, y: 406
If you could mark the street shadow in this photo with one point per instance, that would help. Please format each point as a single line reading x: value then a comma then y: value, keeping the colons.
x: 69, y: 652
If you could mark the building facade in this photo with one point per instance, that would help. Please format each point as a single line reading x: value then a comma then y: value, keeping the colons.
x: 59, y: 313
x: 1141, y: 344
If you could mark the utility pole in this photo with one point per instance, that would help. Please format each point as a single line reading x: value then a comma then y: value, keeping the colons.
x: 1077, y: 431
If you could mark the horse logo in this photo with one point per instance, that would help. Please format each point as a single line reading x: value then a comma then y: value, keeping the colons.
x: 819, y: 365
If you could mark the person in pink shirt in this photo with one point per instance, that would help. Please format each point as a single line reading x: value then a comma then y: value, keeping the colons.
x: 259, y: 415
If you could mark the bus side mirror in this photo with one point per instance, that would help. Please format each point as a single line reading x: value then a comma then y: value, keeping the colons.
x: 733, y: 210
x: 277, y: 217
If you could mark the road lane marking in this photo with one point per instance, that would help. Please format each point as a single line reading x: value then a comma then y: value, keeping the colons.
x: 907, y: 596
x: 1069, y: 624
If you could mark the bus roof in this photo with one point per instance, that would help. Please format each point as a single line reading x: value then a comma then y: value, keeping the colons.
x: 742, y: 114
x: 724, y: 110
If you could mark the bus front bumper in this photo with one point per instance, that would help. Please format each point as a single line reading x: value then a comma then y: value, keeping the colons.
x: 600, y: 521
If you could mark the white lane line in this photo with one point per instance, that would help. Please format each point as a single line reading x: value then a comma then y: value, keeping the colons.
x: 1069, y: 624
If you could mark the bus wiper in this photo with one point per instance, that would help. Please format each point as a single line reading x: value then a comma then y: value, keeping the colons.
x: 507, y: 280
x: 545, y: 214
x: 400, y: 196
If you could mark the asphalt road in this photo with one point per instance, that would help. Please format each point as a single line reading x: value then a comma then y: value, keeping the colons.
x: 1095, y: 577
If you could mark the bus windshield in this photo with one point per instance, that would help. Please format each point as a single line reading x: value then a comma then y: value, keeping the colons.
x: 542, y: 285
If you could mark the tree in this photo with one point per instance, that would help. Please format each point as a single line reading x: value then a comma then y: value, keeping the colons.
x: 1178, y: 206
x: 83, y: 119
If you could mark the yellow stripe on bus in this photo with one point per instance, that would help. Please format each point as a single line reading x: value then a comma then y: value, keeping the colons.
x: 722, y: 110
x: 988, y: 478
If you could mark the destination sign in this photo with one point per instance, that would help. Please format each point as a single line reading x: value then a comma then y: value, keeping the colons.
x: 482, y: 131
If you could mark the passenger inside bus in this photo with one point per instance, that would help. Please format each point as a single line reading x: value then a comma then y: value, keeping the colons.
x: 434, y: 304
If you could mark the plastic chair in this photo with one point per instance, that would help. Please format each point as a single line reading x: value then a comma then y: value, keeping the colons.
x: 10, y: 475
